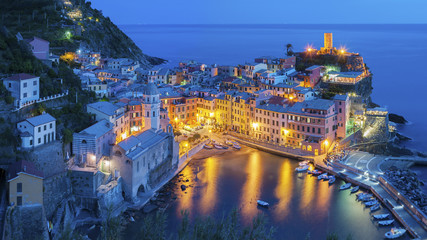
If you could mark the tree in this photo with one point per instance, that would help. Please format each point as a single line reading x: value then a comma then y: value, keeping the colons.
x: 111, y: 227
x: 196, y: 136
x: 289, y: 50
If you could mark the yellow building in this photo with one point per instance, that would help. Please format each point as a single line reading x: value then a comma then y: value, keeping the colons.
x: 25, y: 184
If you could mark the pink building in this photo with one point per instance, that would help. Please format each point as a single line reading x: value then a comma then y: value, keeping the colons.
x: 39, y: 47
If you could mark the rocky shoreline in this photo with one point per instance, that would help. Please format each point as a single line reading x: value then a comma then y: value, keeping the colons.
x: 407, y: 182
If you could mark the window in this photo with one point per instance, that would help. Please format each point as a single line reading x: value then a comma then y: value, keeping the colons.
x: 44, y: 127
x: 19, y: 201
x: 137, y: 166
x: 25, y: 84
x: 40, y: 129
x: 40, y: 140
x: 19, y: 187
x: 34, y: 93
x: 34, y: 83
x: 10, y: 85
x: 25, y: 95
x: 31, y: 142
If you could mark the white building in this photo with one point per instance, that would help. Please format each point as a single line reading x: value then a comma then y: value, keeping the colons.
x: 23, y: 88
x: 37, y: 130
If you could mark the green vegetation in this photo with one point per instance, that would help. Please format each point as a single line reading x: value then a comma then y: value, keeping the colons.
x: 289, y: 50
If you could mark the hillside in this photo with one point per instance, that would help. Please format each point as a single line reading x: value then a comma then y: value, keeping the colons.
x: 68, y: 25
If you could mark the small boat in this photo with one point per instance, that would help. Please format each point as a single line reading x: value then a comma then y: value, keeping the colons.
x: 375, y: 207
x: 131, y: 219
x: 217, y: 146
x: 368, y: 200
x: 304, y: 163
x: 236, y: 146
x: 355, y: 189
x: 230, y: 143
x: 321, y: 176
x: 331, y: 180
x: 302, y: 168
x: 224, y: 146
x: 208, y: 146
x: 263, y: 203
x: 371, y: 203
x: 381, y: 216
x: 386, y: 222
x: 395, y: 233
x: 345, y: 186
x: 316, y: 172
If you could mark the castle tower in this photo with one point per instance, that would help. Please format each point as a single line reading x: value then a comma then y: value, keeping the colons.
x: 151, y: 106
x: 328, y: 40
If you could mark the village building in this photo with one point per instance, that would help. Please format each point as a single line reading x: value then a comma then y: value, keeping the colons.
x: 37, y: 130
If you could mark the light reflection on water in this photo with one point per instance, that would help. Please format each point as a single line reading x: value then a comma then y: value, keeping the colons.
x: 252, y: 187
x: 299, y: 202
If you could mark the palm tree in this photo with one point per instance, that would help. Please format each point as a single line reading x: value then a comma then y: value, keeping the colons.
x: 289, y: 48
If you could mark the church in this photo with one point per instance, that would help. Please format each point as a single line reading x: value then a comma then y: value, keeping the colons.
x: 145, y: 159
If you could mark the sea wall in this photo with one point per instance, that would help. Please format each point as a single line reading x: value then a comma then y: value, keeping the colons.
x: 25, y: 222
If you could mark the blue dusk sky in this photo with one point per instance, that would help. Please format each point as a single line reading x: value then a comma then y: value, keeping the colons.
x: 263, y: 11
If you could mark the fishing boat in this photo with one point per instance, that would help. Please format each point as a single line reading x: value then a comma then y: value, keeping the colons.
x: 331, y: 179
x: 208, y: 146
x: 345, y: 186
x: 224, y: 146
x: 316, y: 172
x: 263, y: 203
x: 321, y: 176
x: 395, y: 233
x: 302, y: 168
x: 229, y: 143
x: 236, y: 146
x: 371, y: 203
x: 375, y: 207
x: 303, y: 163
x: 355, y: 189
x: 381, y: 216
x: 386, y: 222
x: 217, y: 146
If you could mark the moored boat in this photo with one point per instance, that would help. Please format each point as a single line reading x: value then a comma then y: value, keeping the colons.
x: 217, y: 146
x: 303, y: 163
x: 321, y: 176
x: 263, y: 203
x: 316, y: 172
x: 236, y: 146
x: 395, y: 233
x: 331, y: 179
x: 302, y: 168
x: 381, y: 216
x: 386, y: 222
x: 345, y: 186
x: 355, y: 189
x: 375, y: 207
x: 230, y: 143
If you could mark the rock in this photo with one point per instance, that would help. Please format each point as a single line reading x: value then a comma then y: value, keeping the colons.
x: 183, y: 187
x: 402, y: 137
x: 397, y: 118
x: 149, y: 208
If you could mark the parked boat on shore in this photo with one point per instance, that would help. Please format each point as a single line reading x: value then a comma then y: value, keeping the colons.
x: 316, y: 172
x: 375, y: 207
x: 381, y: 216
x: 321, y: 176
x: 395, y: 233
x: 217, y: 146
x: 303, y: 163
x: 386, y: 222
x: 345, y: 186
x: 208, y: 146
x: 230, y: 143
x: 355, y: 189
x: 263, y: 203
x: 371, y: 203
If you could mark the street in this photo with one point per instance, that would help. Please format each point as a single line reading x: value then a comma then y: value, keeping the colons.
x: 365, y: 162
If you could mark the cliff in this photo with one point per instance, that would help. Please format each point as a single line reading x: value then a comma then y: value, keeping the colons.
x: 68, y: 25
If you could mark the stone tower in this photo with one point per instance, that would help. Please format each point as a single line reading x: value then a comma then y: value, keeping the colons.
x: 151, y: 106
x: 328, y: 40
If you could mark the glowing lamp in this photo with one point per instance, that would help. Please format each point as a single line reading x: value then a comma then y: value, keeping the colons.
x: 326, y: 142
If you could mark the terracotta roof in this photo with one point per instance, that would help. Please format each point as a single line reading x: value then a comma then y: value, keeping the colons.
x: 21, y: 76
x: 23, y: 167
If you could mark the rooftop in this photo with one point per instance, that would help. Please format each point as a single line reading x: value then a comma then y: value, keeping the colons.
x: 23, y: 167
x: 98, y: 129
x: 40, y: 119
x: 104, y: 107
x: 21, y: 76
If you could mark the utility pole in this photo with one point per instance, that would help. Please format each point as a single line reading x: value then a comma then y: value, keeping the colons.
x: 76, y: 96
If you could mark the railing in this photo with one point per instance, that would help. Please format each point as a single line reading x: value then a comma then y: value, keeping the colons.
x: 409, y: 205
x: 29, y: 103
